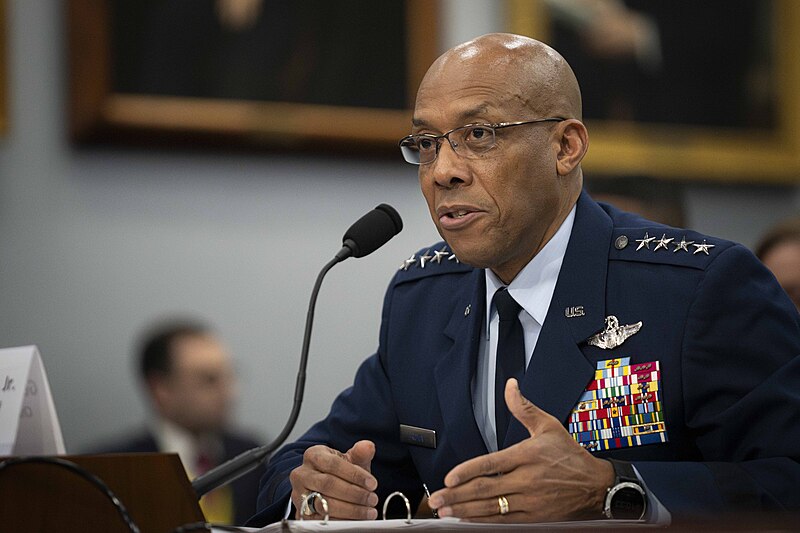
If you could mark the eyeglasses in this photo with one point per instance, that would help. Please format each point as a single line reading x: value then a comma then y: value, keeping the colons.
x: 467, y: 141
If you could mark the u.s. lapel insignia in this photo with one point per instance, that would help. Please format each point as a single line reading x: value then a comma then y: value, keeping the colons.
x: 621, y: 407
x: 613, y: 335
x: 574, y: 311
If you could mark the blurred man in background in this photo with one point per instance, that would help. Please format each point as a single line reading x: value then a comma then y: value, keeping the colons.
x: 190, y: 383
x: 779, y: 250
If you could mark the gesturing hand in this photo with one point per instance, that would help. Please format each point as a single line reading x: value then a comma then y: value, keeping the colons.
x: 544, y: 478
x: 344, y: 480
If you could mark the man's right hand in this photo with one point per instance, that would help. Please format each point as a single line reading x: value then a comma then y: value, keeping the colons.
x: 343, y: 479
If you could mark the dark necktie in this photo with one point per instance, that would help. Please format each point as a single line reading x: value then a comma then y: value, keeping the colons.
x: 510, y: 357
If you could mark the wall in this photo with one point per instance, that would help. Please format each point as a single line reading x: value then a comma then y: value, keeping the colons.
x: 95, y: 243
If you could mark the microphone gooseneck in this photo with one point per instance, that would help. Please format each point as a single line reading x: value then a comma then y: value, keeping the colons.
x: 366, y: 235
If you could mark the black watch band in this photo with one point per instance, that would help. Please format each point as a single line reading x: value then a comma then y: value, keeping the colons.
x: 625, y: 499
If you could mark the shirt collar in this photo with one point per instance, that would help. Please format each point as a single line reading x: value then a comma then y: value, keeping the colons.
x: 534, y: 286
x: 171, y: 437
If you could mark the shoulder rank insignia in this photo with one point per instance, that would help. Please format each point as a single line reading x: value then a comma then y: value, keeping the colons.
x: 621, y: 407
x: 429, y: 257
x: 613, y: 335
x: 702, y: 247
x: 664, y: 242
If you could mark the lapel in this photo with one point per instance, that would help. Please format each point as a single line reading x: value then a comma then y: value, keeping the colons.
x: 558, y: 371
x: 454, y: 372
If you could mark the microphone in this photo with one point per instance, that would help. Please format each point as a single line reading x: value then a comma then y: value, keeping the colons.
x: 370, y: 232
x: 366, y: 235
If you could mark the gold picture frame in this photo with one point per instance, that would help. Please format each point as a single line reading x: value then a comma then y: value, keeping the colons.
x: 694, y: 152
x: 98, y: 113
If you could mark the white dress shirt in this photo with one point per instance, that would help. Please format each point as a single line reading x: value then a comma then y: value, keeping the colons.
x: 170, y: 437
x: 532, y: 289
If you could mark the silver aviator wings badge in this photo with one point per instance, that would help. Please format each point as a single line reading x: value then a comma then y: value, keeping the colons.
x: 613, y: 335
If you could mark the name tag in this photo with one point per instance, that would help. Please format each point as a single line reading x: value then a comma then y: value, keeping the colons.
x: 417, y: 436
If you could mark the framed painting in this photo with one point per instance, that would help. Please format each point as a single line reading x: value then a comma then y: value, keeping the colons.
x: 681, y: 89
x: 277, y: 73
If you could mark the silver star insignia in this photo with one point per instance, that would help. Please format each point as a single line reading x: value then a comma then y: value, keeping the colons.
x: 453, y: 258
x: 663, y: 242
x: 645, y: 242
x: 424, y: 259
x: 438, y: 255
x: 702, y: 247
x: 683, y: 245
x: 613, y: 335
x: 408, y: 262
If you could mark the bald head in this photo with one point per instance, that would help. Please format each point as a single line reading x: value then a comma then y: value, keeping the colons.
x: 505, y: 112
x: 524, y: 71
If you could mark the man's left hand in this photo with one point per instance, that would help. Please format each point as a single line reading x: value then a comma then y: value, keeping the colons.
x: 546, y: 477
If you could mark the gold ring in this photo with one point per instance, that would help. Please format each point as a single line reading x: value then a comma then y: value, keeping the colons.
x: 503, y: 503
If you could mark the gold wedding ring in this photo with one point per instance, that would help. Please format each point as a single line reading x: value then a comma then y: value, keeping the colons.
x: 503, y: 503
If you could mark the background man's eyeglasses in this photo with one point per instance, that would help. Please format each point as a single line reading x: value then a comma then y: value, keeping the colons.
x: 467, y: 141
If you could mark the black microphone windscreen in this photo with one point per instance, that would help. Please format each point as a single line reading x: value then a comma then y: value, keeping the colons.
x: 373, y: 230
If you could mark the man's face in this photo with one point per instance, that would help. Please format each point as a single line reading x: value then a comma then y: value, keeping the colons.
x: 497, y: 210
x: 784, y: 262
x: 199, y: 391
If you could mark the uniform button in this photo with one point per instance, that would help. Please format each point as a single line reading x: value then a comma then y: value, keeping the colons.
x: 621, y: 242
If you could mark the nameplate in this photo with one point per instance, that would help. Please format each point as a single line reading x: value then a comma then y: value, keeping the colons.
x: 417, y: 436
x: 28, y: 421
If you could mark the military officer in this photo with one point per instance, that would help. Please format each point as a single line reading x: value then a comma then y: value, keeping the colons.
x: 552, y: 358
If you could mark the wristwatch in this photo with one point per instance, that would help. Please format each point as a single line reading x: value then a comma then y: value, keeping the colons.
x: 626, y: 498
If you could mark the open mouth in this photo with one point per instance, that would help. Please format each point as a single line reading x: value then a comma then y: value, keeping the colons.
x: 456, y: 217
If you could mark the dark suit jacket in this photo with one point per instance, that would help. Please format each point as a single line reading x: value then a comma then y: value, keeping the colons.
x: 726, y: 336
x: 245, y: 489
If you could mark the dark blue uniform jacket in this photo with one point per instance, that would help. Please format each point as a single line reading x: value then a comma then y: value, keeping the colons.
x: 726, y: 337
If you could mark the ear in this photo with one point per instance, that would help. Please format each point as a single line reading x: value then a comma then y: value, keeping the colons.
x: 158, y: 389
x: 573, y: 143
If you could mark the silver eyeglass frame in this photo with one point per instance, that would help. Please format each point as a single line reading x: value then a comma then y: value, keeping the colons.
x: 409, y: 145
